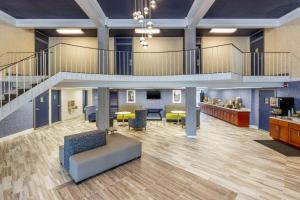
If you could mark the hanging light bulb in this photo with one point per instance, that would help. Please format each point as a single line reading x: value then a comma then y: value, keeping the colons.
x: 149, y: 25
x: 145, y: 45
x: 146, y: 10
x: 153, y: 4
x: 141, y: 18
x: 142, y: 39
x: 135, y: 15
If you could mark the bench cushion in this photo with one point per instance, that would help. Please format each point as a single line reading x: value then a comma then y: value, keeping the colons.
x: 119, y: 149
x: 81, y: 142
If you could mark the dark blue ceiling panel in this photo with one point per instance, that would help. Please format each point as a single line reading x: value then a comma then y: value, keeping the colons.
x: 42, y: 9
x: 166, y: 9
x: 251, y: 9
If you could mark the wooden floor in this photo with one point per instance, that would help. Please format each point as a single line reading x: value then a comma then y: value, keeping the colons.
x: 223, y: 161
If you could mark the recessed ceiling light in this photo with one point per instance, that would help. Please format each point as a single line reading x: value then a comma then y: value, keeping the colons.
x: 147, y: 31
x: 223, y: 30
x: 74, y: 31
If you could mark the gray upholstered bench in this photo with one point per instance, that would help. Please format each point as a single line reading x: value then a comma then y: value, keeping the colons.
x: 116, y: 150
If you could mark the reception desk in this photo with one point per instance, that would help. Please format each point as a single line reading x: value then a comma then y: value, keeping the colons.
x: 240, y: 118
x: 285, y: 130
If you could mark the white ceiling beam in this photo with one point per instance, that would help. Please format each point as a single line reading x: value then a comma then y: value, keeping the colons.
x: 55, y: 23
x: 198, y: 11
x: 93, y: 10
x: 7, y: 19
x: 238, y: 23
x: 294, y: 15
x: 159, y: 23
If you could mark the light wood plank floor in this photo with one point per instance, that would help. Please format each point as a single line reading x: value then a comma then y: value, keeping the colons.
x: 222, y: 156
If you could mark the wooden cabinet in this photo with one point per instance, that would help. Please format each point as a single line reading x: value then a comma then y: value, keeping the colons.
x: 285, y: 131
x: 236, y: 117
x: 295, y: 134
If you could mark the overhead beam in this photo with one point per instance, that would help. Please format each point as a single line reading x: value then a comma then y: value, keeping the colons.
x: 159, y: 23
x: 238, y: 23
x: 294, y: 15
x: 198, y: 11
x: 7, y: 19
x: 93, y: 10
x: 55, y: 23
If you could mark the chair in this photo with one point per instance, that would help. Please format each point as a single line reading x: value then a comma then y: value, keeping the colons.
x: 140, y: 120
x: 183, y: 119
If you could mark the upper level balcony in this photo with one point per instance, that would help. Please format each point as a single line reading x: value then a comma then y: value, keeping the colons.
x: 66, y: 65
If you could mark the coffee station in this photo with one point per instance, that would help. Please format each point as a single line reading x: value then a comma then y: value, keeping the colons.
x: 285, y: 121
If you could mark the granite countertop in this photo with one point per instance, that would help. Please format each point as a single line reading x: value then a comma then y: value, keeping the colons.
x: 286, y: 120
x: 236, y: 110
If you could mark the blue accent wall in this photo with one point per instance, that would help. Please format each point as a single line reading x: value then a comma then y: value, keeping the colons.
x: 141, y: 98
x: 18, y: 121
x: 249, y: 97
x: 293, y: 90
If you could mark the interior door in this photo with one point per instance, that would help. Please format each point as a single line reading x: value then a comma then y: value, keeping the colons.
x: 265, y: 108
x: 56, y: 112
x: 257, y: 55
x: 123, y: 56
x: 41, y: 45
x: 42, y: 110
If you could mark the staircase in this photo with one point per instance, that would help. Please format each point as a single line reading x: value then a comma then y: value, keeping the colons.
x: 25, y: 79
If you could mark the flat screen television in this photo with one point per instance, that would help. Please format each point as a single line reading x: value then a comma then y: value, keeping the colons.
x: 153, y: 94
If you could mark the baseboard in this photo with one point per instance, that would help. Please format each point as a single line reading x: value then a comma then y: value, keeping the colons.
x: 12, y: 136
x: 254, y: 127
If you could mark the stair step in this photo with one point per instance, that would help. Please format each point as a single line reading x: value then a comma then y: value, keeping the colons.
x: 12, y: 96
x: 3, y: 102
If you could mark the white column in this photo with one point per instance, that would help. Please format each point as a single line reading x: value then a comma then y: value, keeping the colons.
x: 103, y: 43
x: 190, y: 46
x: 102, y: 120
x: 190, y: 101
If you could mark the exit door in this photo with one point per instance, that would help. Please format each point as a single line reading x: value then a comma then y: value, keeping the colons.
x: 265, y: 108
x: 56, y: 106
x: 42, y: 110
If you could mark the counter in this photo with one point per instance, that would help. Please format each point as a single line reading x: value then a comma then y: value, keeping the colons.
x: 240, y: 118
x: 285, y: 130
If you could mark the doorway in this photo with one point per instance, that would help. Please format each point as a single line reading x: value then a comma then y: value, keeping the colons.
x: 56, y: 102
x: 265, y: 108
x: 42, y: 110
x: 257, y: 53
x: 123, y: 56
x: 41, y: 49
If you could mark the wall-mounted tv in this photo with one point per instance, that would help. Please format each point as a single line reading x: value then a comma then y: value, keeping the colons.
x: 153, y: 94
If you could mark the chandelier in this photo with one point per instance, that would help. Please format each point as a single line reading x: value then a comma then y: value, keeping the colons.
x: 142, y: 14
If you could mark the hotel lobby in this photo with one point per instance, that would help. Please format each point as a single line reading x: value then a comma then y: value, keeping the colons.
x: 150, y: 99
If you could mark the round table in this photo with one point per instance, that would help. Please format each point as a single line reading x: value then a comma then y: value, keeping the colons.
x: 178, y: 112
x: 123, y: 115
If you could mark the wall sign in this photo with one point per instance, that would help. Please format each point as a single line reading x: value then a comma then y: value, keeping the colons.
x: 176, y: 96
x: 130, y: 96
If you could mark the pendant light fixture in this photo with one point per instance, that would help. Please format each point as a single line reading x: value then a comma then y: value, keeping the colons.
x: 142, y: 14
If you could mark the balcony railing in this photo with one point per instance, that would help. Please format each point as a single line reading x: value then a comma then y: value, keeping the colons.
x: 20, y: 76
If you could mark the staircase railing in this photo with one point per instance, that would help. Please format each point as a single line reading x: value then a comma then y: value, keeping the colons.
x: 13, y: 57
x: 18, y: 77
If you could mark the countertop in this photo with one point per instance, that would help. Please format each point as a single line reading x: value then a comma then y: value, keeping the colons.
x: 236, y: 110
x: 286, y: 120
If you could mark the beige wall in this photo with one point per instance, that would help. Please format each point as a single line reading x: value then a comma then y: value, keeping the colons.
x: 69, y: 95
x: 223, y: 58
x: 284, y: 39
x: 158, y: 63
x: 77, y: 59
x: 15, y: 40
